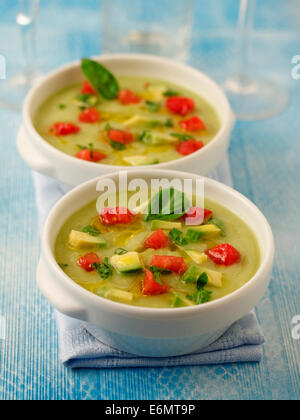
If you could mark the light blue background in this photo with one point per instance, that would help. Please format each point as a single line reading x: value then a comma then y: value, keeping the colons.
x: 265, y: 164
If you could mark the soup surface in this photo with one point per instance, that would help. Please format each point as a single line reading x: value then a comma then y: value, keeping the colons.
x: 149, y: 122
x: 162, y: 263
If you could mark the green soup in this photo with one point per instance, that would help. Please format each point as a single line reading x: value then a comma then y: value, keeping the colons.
x: 133, y: 263
x: 158, y: 132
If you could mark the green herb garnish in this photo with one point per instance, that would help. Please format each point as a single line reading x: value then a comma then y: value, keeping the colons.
x: 169, y: 204
x: 202, y: 296
x: 170, y: 93
x: 62, y: 266
x: 120, y: 251
x: 176, y: 236
x: 182, y: 137
x: 117, y: 146
x: 202, y: 281
x: 105, y: 269
x: 100, y: 78
x: 62, y: 106
x: 157, y: 271
x: 91, y: 230
x: 153, y: 106
x: 169, y: 123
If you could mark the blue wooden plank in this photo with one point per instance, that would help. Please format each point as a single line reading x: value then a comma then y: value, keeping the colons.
x: 265, y: 163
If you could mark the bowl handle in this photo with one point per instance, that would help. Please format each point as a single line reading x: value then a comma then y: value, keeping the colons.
x: 31, y: 156
x: 55, y: 294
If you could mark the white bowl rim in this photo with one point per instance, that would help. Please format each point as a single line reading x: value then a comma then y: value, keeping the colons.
x: 229, y: 117
x: 155, y: 313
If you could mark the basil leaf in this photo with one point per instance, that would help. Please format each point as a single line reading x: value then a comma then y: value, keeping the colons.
x: 169, y: 204
x: 100, y: 78
x: 169, y: 93
x: 176, y: 236
x: 202, y: 296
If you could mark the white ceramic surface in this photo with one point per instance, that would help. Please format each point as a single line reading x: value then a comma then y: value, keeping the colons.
x: 146, y: 331
x: 46, y: 159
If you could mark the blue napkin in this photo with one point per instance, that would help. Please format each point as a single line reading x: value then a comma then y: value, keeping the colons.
x: 79, y: 349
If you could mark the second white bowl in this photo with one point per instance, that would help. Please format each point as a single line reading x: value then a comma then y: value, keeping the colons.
x: 44, y: 158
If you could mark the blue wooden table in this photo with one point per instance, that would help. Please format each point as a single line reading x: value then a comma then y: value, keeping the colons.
x: 265, y: 160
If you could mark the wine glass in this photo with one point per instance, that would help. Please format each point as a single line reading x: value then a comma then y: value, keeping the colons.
x: 251, y: 99
x: 14, y: 88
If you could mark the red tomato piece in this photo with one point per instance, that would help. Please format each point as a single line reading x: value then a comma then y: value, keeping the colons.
x: 186, y: 148
x: 181, y: 106
x: 87, y: 260
x: 224, y: 254
x: 198, y: 215
x: 120, y: 136
x: 151, y: 287
x: 116, y: 216
x: 87, y: 89
x: 90, y: 115
x: 64, y: 129
x: 90, y: 156
x: 127, y: 97
x: 157, y: 240
x: 194, y: 124
x: 167, y: 262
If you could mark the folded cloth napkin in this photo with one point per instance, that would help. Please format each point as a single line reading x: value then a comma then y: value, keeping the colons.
x: 79, y: 349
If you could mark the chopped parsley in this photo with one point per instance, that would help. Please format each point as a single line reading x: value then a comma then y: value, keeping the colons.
x: 62, y: 106
x: 91, y: 230
x: 169, y: 123
x: 157, y: 271
x: 117, y: 146
x: 105, y: 270
x: 170, y: 92
x: 62, y: 266
x: 153, y: 106
x: 182, y: 137
x: 176, y: 236
x: 120, y: 251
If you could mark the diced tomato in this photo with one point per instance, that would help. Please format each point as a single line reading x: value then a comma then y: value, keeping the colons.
x: 120, y: 136
x: 116, y: 216
x: 151, y: 287
x: 91, y: 155
x: 194, y: 124
x: 181, y: 106
x: 87, y: 89
x: 167, y: 262
x: 157, y: 240
x: 224, y: 254
x: 90, y: 115
x: 64, y: 129
x: 188, y: 147
x: 198, y: 215
x: 87, y: 260
x: 127, y: 97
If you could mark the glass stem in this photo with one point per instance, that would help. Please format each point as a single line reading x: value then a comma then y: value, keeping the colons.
x: 27, y: 19
x: 245, y: 26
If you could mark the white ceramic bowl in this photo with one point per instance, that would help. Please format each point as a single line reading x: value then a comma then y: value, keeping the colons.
x: 44, y: 158
x: 148, y: 331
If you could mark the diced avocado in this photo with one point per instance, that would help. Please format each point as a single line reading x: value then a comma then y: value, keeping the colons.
x: 179, y: 301
x: 197, y: 257
x: 140, y: 160
x: 127, y: 263
x: 155, y: 138
x: 214, y: 278
x: 161, y: 224
x: 115, y: 294
x: 80, y: 240
x: 135, y: 121
x: 207, y: 230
